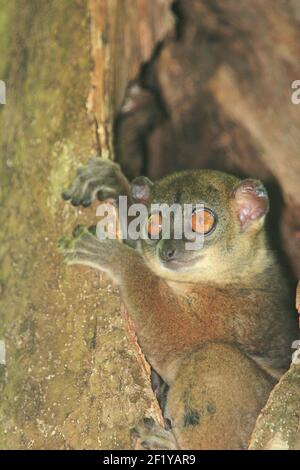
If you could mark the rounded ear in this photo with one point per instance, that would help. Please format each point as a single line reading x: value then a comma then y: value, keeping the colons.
x: 141, y: 189
x: 251, y: 202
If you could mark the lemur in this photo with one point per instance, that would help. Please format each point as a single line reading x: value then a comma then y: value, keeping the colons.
x: 216, y: 323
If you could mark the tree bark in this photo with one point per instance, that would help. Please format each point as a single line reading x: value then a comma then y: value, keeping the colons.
x: 278, y: 426
x: 70, y: 377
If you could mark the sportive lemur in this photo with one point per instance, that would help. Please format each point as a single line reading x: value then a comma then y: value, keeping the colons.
x: 217, y: 323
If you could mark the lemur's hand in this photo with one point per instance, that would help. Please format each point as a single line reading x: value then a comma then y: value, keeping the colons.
x: 86, y: 249
x: 100, y: 179
x: 107, y: 255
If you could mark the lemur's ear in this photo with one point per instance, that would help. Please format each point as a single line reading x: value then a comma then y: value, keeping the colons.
x: 251, y: 202
x: 141, y: 189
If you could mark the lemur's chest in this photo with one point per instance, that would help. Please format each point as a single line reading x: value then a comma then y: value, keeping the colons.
x: 228, y: 314
x: 195, y: 317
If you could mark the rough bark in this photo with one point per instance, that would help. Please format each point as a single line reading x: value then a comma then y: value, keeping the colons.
x: 127, y: 32
x: 278, y: 426
x: 70, y: 377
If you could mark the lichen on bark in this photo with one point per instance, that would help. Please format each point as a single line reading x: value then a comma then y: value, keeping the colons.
x: 72, y: 378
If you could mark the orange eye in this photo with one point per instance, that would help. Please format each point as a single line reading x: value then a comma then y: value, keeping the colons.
x: 203, y: 221
x: 154, y: 225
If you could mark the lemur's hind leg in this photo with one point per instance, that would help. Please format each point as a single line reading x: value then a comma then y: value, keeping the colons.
x: 212, y: 403
x: 101, y: 179
x: 216, y: 397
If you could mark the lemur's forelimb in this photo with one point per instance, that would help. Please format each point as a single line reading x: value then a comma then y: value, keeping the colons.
x: 100, y: 179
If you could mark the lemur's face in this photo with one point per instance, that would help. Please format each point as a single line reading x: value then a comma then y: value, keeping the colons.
x: 218, y: 229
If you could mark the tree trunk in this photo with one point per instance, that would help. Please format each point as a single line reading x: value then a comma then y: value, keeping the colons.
x: 70, y: 377
x: 278, y: 426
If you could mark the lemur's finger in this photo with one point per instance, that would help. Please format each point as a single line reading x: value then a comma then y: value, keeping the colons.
x: 93, y: 189
x: 81, y: 170
x: 82, y: 258
x: 98, y: 179
x: 74, y: 191
x: 78, y: 230
x: 93, y: 229
x: 82, y: 238
x: 65, y: 243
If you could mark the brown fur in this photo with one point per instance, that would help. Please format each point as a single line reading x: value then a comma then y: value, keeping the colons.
x: 217, y: 332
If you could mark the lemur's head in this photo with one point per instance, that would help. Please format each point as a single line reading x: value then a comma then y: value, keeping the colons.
x: 230, y: 221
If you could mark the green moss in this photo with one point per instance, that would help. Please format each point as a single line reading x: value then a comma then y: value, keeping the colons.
x: 62, y: 328
x: 60, y: 175
x: 5, y: 12
x: 2, y: 375
x: 43, y: 128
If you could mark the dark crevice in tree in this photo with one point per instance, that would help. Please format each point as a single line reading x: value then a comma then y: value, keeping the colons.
x: 179, y: 18
x: 148, y: 110
x: 182, y: 118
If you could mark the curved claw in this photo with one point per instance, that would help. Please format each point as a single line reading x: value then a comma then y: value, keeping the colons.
x: 98, y: 179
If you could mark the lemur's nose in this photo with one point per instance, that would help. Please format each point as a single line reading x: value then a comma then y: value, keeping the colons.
x: 167, y: 253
